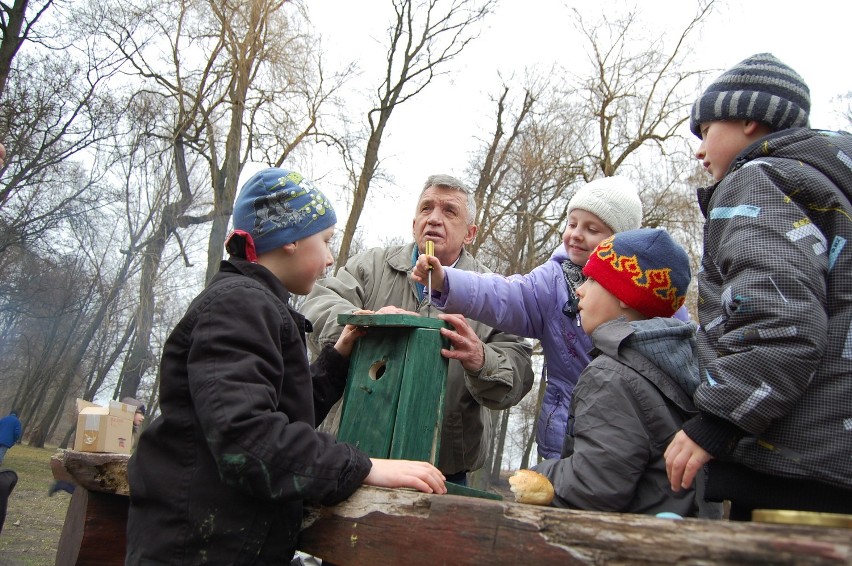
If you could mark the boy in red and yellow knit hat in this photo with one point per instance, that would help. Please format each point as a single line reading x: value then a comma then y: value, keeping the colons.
x: 637, y: 390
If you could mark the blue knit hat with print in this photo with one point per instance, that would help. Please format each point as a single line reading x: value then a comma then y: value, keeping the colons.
x: 278, y: 207
x: 760, y: 88
x: 646, y: 269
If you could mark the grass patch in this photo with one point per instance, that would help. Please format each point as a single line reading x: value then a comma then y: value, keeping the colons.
x: 33, y: 520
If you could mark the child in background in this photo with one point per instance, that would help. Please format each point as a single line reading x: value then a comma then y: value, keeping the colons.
x: 222, y: 473
x: 637, y: 391
x: 775, y: 300
x: 543, y: 303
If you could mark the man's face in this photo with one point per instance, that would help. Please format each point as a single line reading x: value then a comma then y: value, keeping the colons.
x: 442, y: 218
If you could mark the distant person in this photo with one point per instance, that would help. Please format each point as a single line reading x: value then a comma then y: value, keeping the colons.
x: 637, y: 390
x: 488, y: 369
x: 221, y: 475
x: 10, y: 433
x: 2, y: 155
x: 8, y: 479
x: 138, y: 417
x: 543, y: 303
x: 775, y: 300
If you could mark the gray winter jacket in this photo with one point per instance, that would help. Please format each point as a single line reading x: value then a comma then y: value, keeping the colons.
x: 628, y: 403
x: 775, y: 307
x: 380, y: 277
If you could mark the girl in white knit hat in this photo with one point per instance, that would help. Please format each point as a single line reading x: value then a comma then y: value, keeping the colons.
x: 543, y: 303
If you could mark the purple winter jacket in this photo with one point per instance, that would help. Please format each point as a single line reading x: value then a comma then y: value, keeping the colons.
x: 528, y: 305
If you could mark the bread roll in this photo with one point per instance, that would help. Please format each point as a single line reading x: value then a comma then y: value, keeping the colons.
x: 531, y: 487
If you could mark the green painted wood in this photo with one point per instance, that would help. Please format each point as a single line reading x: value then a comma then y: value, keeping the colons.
x: 394, y: 398
x: 404, y: 320
x: 371, y: 396
x: 421, y: 400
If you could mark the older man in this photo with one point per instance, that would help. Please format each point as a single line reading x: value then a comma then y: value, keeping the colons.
x: 488, y: 369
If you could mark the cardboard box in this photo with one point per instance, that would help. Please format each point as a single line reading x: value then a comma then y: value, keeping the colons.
x: 104, y: 429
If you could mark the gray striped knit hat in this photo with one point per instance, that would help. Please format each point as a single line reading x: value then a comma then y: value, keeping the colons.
x: 760, y: 88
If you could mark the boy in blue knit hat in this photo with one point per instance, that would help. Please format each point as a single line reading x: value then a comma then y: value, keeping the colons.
x: 637, y: 390
x: 775, y: 300
x: 222, y: 473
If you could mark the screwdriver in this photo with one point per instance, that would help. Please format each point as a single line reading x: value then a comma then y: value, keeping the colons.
x: 430, y: 250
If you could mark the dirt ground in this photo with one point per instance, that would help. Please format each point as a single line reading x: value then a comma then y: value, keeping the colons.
x: 33, y: 520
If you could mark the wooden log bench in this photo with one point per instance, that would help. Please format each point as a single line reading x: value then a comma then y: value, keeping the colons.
x: 383, y: 526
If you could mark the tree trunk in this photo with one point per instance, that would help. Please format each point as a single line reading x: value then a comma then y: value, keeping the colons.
x: 497, y: 465
x: 525, y: 461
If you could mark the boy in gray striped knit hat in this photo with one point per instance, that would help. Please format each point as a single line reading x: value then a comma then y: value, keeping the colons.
x: 774, y: 426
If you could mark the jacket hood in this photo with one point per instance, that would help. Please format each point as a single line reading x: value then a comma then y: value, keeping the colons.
x: 666, y: 343
x: 803, y: 144
x: 670, y: 345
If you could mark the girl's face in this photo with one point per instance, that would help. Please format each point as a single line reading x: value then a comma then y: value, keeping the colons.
x: 582, y: 235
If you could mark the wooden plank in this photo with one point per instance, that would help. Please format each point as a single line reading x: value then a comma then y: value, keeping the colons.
x: 94, y: 532
x: 378, y: 526
x: 382, y: 526
x: 417, y: 432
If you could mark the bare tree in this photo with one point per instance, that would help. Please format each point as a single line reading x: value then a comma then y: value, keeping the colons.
x: 846, y: 112
x: 424, y: 36
x: 53, y: 113
x: 212, y: 83
x: 639, y: 90
x: 17, y: 25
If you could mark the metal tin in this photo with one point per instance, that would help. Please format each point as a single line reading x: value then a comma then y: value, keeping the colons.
x: 802, y: 518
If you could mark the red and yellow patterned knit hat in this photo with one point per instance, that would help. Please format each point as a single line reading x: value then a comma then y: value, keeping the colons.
x: 645, y: 269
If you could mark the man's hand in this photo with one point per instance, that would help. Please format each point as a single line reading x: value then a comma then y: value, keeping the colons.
x: 684, y: 458
x: 420, y: 273
x: 421, y: 476
x: 466, y: 345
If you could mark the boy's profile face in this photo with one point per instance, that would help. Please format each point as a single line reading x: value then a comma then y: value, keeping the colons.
x: 723, y: 140
x: 597, y: 305
x: 583, y: 234
x: 312, y: 256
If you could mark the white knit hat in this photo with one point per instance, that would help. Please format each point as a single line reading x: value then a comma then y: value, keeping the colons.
x: 615, y: 200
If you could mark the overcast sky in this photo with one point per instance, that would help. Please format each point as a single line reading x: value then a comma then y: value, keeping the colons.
x: 433, y: 132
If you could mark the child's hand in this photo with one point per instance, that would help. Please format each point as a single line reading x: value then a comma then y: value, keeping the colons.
x: 347, y: 338
x: 421, y: 476
x: 684, y: 459
x: 420, y: 273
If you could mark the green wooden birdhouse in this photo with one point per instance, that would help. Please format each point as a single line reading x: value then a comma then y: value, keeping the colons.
x: 394, y: 399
